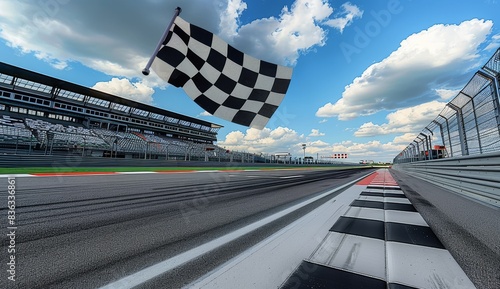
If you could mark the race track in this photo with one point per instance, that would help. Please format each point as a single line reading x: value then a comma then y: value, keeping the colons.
x: 89, y: 231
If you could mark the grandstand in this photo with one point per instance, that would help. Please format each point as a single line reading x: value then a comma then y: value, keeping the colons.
x: 40, y: 114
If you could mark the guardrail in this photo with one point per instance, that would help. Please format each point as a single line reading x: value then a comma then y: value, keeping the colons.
x: 477, y: 177
x: 465, y: 157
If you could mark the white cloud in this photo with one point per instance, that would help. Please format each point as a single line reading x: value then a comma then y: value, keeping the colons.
x: 424, y: 61
x: 447, y: 94
x: 494, y: 44
x: 124, y: 88
x: 315, y: 132
x: 229, y: 18
x: 405, y: 138
x: 323, y: 120
x: 58, y: 39
x: 284, y: 139
x: 283, y: 39
x: 204, y: 113
x: 121, y: 42
x: 281, y: 139
x: 373, y: 150
x: 347, y: 15
x: 407, y: 120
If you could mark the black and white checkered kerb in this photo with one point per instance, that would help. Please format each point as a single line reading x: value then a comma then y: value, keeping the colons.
x: 222, y: 80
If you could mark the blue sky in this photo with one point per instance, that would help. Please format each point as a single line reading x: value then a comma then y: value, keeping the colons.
x: 368, y: 75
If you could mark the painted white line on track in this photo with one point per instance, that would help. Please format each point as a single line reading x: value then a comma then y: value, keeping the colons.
x: 162, y: 267
x: 15, y: 175
x: 268, y: 263
x: 136, y: 173
x: 292, y: 177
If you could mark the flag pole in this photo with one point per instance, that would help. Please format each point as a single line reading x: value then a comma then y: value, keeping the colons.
x: 145, y: 71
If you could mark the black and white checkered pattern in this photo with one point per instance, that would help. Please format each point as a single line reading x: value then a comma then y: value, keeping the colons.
x: 221, y: 79
x: 381, y: 241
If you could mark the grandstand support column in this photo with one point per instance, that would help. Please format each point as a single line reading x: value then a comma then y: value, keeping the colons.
x: 31, y: 144
x: 51, y: 145
x: 83, y: 147
x: 115, y: 145
x: 166, y: 152
x: 17, y: 142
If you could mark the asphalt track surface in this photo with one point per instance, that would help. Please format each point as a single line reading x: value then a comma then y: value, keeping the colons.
x: 88, y: 231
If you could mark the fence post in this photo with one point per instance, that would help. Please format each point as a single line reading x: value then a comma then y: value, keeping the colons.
x: 425, y: 145
x: 449, y: 135
x: 461, y: 129
x: 495, y: 98
x: 430, y: 143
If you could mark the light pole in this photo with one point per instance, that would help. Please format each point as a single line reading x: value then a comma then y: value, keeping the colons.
x: 304, y: 149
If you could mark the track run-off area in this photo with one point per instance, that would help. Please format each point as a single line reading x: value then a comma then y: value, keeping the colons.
x: 178, y: 230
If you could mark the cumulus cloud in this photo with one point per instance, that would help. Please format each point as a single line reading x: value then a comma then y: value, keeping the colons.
x: 262, y: 141
x: 407, y: 120
x: 51, y: 33
x: 447, y: 94
x: 373, y: 150
x: 136, y: 91
x: 494, y: 44
x: 315, y: 132
x: 283, y: 139
x: 424, y: 61
x: 121, y: 42
x: 282, y: 39
x: 345, y: 16
x: 229, y: 20
x: 405, y: 138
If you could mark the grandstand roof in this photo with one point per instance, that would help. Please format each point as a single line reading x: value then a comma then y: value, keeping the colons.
x: 53, y: 86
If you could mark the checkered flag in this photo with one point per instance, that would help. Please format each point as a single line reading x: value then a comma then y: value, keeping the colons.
x: 221, y: 79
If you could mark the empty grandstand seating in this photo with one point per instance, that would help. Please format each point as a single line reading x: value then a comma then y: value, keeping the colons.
x: 52, y: 116
x: 14, y: 132
x: 60, y: 136
x: 43, y: 133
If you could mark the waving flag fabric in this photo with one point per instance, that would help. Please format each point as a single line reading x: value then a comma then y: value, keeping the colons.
x: 224, y: 81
